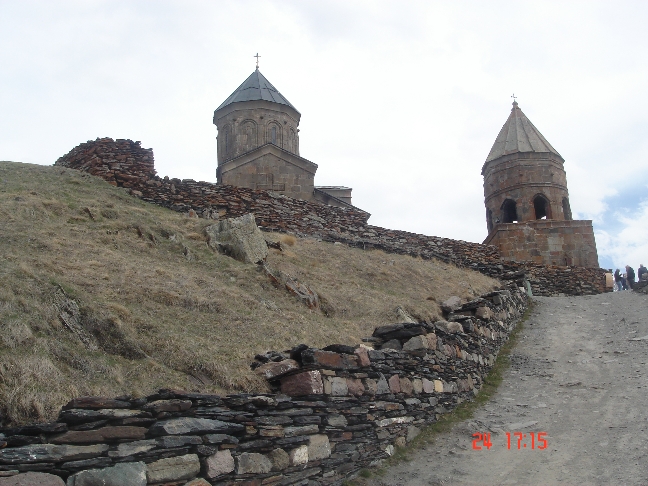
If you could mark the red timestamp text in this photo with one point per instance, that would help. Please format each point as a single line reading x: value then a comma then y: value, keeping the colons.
x: 515, y: 440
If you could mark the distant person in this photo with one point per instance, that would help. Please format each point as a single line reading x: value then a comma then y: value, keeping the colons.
x: 630, y: 276
x: 618, y: 284
x: 641, y: 271
x: 624, y: 282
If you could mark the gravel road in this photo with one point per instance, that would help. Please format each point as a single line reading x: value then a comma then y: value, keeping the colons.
x: 579, y: 374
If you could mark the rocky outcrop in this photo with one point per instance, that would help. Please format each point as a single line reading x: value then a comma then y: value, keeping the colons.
x: 335, y: 411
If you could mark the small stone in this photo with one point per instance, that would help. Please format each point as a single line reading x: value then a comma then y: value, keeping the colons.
x: 355, y: 386
x: 132, y: 448
x: 339, y: 387
x: 418, y: 385
x: 417, y: 343
x: 279, y: 458
x: 329, y: 359
x: 318, y: 447
x: 274, y: 369
x: 168, y: 406
x: 305, y: 383
x: 438, y: 386
x: 336, y: 420
x: 371, y: 386
x: 131, y: 473
x: 428, y: 386
x: 191, y: 425
x: 394, y: 384
x: 104, y: 434
x: 253, y: 463
x: 484, y: 313
x: 173, y: 469
x: 299, y: 456
x: 363, y: 356
x: 382, y: 386
x: 296, y: 431
x: 400, y: 442
x: 392, y: 344
x: 32, y: 479
x: 96, y: 403
x: 451, y: 304
x: 406, y: 386
x: 218, y: 464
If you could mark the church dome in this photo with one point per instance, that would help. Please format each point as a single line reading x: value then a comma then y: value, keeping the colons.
x: 519, y: 135
x: 256, y: 88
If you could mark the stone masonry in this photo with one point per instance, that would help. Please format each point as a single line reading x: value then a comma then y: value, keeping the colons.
x: 336, y: 410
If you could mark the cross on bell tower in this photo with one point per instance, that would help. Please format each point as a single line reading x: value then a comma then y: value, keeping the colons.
x: 257, y: 60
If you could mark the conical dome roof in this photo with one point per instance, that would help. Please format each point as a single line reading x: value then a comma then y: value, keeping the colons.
x: 519, y: 135
x: 256, y: 87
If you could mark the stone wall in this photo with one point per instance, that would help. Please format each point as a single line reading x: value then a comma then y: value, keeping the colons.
x: 336, y: 410
x: 547, y: 241
x: 274, y: 212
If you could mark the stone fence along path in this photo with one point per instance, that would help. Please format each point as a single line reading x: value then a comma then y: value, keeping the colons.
x: 578, y: 373
x: 335, y: 411
x: 126, y: 164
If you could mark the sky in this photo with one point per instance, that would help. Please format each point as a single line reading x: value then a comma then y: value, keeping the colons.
x: 401, y: 100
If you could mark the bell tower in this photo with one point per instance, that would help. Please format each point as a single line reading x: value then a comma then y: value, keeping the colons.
x: 524, y: 176
x: 528, y: 214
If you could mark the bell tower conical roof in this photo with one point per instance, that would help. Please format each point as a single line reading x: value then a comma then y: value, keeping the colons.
x: 256, y: 87
x: 519, y: 135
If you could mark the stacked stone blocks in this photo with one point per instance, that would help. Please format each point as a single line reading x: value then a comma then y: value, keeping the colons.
x: 335, y: 411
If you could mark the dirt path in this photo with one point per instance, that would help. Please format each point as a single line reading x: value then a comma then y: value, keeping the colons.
x: 576, y: 375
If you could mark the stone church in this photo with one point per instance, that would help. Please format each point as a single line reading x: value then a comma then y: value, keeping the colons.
x: 258, y: 145
x: 528, y: 215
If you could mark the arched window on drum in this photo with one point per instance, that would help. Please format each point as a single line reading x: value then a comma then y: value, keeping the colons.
x: 509, y: 211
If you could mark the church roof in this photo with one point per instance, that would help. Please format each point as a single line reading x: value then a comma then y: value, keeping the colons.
x: 256, y: 87
x: 519, y: 135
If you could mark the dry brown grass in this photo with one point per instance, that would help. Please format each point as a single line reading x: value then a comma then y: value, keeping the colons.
x: 149, y: 316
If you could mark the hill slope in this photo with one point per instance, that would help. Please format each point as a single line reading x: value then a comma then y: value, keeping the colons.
x: 103, y: 294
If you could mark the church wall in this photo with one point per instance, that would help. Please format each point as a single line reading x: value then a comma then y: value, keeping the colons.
x: 271, y: 173
x: 521, y: 177
x: 547, y: 242
x: 242, y: 130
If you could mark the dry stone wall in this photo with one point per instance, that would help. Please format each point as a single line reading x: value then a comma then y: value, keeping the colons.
x: 124, y: 163
x: 336, y: 410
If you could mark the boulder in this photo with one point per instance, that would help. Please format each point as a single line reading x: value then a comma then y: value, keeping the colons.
x: 239, y: 238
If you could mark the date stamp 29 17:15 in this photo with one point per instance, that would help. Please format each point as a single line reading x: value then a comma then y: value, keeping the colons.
x: 527, y: 440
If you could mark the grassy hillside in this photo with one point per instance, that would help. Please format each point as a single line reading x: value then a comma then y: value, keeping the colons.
x: 103, y: 294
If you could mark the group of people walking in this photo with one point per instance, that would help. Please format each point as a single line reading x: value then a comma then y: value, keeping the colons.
x: 625, y: 281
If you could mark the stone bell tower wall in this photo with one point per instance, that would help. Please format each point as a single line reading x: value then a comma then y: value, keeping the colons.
x: 521, y: 177
x: 551, y: 242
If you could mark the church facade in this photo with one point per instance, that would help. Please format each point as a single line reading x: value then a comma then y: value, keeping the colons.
x: 258, y: 145
x: 528, y: 214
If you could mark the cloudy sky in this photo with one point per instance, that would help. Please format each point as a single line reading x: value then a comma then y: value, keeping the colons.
x: 401, y: 100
